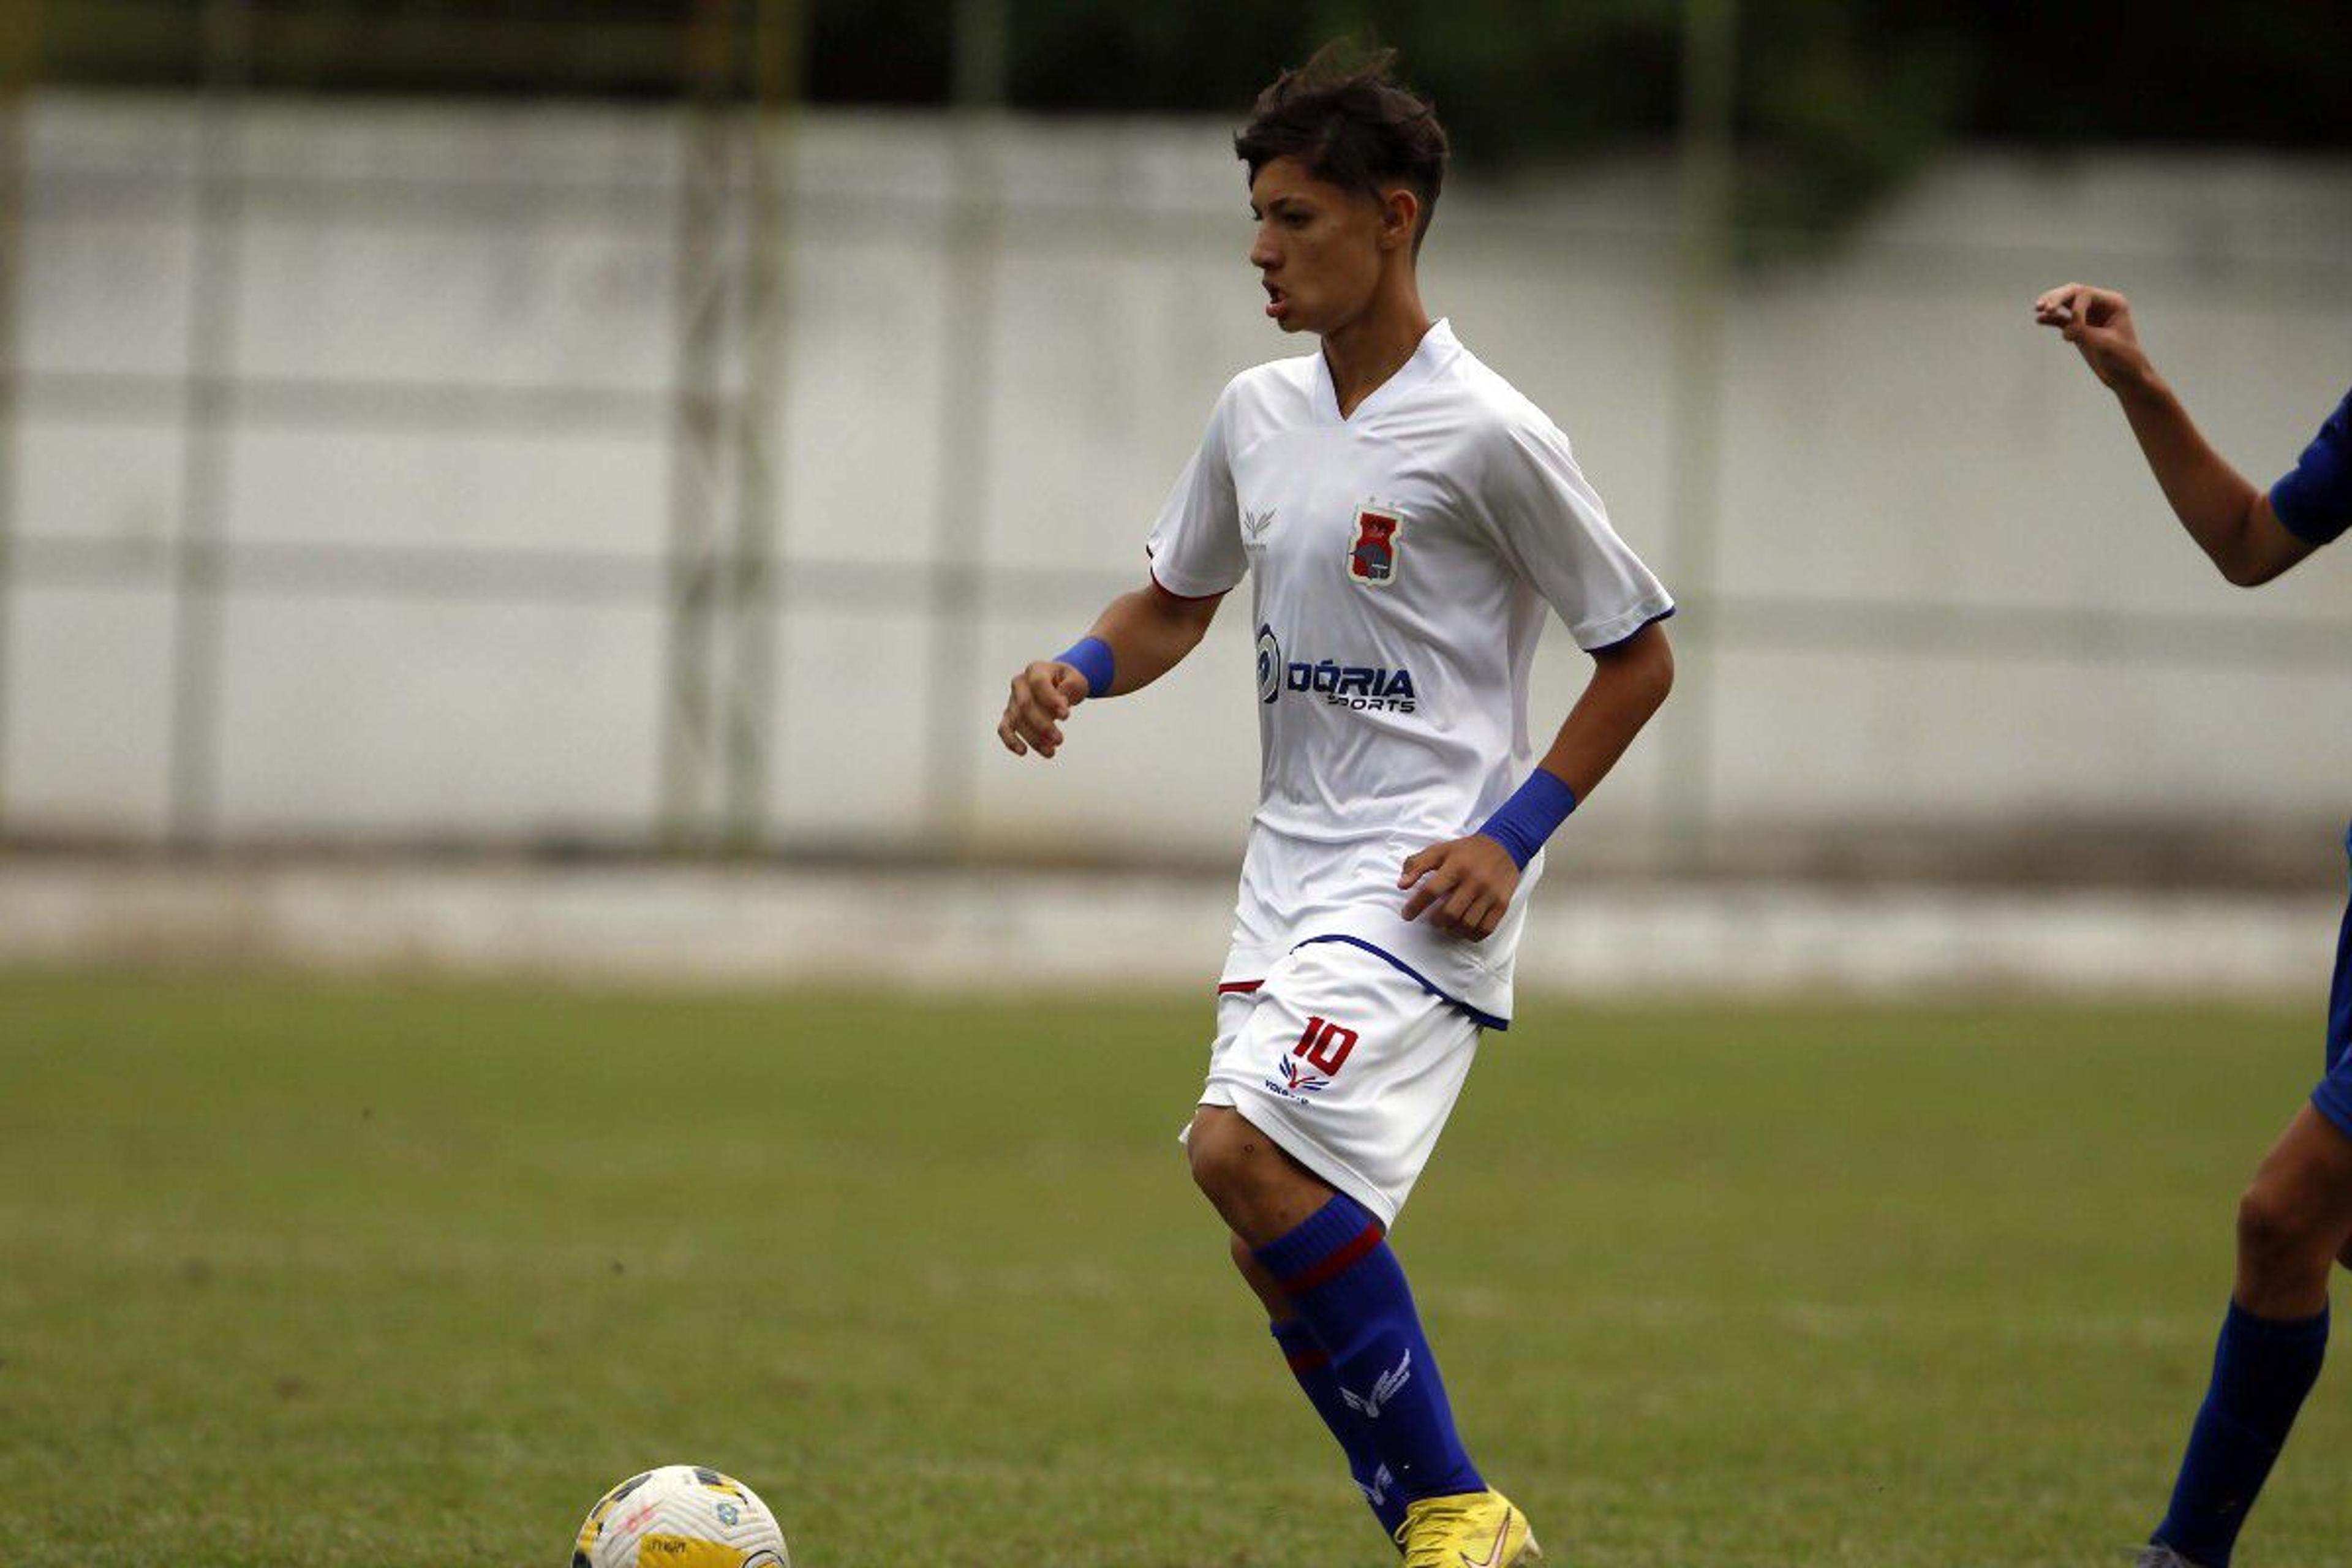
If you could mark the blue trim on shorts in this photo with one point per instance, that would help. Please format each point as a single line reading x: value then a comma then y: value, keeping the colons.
x: 2333, y: 1095
x: 1484, y: 1020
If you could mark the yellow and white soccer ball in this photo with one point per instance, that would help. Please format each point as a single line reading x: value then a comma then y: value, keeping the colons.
x: 681, y: 1516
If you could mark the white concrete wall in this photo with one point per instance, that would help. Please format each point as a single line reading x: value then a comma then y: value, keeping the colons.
x: 683, y: 924
x: 1903, y: 455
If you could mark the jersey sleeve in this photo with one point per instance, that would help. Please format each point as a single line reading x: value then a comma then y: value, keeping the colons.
x: 1196, y: 546
x: 2313, y: 499
x: 1550, y: 525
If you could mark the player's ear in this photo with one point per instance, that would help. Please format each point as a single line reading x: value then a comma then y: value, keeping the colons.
x: 1399, y: 216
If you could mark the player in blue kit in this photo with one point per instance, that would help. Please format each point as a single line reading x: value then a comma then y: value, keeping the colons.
x: 1405, y: 519
x: 2294, y: 1222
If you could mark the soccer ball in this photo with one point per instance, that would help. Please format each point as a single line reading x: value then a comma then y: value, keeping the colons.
x: 681, y: 1516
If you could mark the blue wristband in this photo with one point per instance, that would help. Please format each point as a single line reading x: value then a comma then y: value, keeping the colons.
x: 1090, y: 656
x: 1535, y: 809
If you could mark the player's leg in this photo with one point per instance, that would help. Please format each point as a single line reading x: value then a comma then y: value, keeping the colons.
x: 1310, y: 1134
x: 1310, y: 1363
x: 1328, y: 1256
x: 2293, y: 1223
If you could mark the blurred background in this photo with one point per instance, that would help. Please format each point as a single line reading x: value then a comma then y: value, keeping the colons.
x: 560, y: 485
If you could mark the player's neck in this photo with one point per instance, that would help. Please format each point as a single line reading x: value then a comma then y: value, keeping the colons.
x: 1366, y: 352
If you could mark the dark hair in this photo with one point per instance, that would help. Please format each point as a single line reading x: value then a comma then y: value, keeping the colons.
x: 1348, y: 122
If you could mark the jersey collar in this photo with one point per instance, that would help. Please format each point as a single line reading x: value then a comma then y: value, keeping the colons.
x: 1437, y: 345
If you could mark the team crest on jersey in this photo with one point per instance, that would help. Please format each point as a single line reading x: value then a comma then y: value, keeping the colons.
x: 1372, y: 553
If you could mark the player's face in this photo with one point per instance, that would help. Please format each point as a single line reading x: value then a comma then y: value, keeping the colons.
x: 1317, y: 250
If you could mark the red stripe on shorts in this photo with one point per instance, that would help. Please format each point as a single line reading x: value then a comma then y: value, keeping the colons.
x: 1232, y: 986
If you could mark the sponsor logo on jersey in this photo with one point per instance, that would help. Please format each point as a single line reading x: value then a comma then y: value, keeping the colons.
x: 1372, y: 553
x: 1357, y: 686
x: 1361, y: 687
x: 1256, y: 522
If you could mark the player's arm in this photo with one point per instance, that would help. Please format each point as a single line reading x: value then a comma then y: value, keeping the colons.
x: 1138, y: 638
x: 2230, y: 517
x: 1465, y: 885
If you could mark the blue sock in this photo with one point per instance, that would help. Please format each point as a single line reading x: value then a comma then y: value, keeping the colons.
x: 1311, y: 1366
x: 2262, y: 1369
x: 1338, y: 1270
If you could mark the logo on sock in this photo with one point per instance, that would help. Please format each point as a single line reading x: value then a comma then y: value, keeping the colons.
x: 1384, y: 1389
x: 1376, y: 1490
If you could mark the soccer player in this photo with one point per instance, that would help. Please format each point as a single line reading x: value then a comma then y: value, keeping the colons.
x: 1404, y: 516
x: 2295, y: 1219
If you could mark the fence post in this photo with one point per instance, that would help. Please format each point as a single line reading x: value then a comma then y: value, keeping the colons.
x: 20, y: 30
x: 1693, y: 502
x: 207, y: 407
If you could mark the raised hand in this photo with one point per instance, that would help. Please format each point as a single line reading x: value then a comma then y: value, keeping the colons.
x: 2098, y: 322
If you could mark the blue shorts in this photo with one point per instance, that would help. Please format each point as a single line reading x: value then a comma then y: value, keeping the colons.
x: 2334, y: 1095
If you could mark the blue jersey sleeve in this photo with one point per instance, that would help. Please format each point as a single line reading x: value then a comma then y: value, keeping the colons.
x: 2313, y: 499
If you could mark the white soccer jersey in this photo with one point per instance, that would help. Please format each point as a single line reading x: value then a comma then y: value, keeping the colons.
x: 1402, y: 559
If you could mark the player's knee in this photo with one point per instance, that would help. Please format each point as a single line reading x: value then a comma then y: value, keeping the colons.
x: 2275, y: 1236
x: 1219, y: 1159
x: 1229, y: 1159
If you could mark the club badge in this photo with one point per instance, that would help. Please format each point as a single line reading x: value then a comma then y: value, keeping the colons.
x: 1372, y: 553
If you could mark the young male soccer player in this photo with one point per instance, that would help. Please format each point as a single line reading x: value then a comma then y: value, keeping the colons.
x: 1405, y: 516
x: 2295, y: 1220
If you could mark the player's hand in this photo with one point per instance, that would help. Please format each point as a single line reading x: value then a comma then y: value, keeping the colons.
x: 1463, y: 884
x: 2098, y: 322
x: 1042, y: 696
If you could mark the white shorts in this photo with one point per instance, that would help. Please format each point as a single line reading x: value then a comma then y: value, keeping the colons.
x: 1344, y: 1061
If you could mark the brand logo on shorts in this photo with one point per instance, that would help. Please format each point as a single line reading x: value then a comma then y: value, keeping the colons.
x: 1298, y: 1080
x: 1372, y: 553
x: 1322, y: 1051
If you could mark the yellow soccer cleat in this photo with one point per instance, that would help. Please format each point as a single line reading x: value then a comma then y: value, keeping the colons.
x: 1468, y: 1530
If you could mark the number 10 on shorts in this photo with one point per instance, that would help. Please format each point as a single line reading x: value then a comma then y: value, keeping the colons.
x: 1325, y: 1044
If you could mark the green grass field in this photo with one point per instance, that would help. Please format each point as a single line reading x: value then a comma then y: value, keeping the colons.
x: 302, y: 1272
